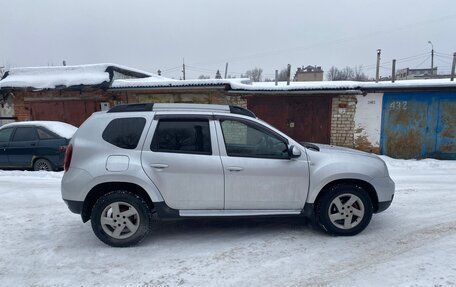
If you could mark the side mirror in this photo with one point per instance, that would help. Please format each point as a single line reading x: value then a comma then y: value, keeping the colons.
x: 293, y: 152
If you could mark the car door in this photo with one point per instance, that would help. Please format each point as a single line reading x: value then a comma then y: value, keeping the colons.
x: 259, y: 175
x: 5, y: 135
x: 181, y: 158
x: 22, y: 147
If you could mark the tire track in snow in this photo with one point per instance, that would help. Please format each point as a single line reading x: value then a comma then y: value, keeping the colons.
x: 396, y: 246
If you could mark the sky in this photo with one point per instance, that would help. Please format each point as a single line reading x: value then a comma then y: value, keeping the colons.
x: 206, y: 34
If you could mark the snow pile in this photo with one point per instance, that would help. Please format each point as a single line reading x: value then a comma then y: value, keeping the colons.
x: 62, y: 129
x: 67, y: 76
x: 410, y: 244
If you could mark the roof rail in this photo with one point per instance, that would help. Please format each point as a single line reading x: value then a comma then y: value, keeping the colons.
x: 147, y: 107
x: 241, y: 111
x: 132, y: 108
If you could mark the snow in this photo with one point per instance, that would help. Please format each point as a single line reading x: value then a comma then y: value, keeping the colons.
x: 67, y: 76
x: 411, y: 244
x: 62, y: 129
x: 165, y: 82
x: 247, y: 85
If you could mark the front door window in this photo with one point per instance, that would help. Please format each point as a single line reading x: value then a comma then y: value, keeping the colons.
x: 245, y: 140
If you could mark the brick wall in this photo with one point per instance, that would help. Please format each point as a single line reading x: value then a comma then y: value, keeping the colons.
x: 185, y: 96
x: 343, y: 120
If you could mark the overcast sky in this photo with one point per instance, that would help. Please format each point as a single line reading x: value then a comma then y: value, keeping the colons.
x: 152, y: 35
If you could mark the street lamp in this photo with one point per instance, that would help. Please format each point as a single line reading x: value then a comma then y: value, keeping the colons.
x: 432, y: 58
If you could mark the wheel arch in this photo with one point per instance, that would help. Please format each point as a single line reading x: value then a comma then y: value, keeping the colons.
x: 366, y: 186
x: 103, y: 188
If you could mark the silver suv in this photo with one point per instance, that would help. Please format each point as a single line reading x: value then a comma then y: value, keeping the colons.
x: 134, y: 163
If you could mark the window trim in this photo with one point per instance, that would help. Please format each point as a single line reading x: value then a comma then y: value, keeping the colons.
x: 182, y: 118
x: 257, y: 126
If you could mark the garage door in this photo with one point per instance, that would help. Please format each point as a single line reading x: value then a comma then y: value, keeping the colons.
x: 72, y: 112
x: 419, y: 125
x: 302, y: 118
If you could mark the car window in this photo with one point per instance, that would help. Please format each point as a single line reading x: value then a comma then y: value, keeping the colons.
x: 124, y: 132
x: 25, y: 134
x: 44, y: 134
x: 182, y: 136
x: 244, y: 140
x: 5, y: 135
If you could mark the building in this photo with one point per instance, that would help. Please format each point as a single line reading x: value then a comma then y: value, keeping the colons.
x: 308, y: 74
x: 404, y: 119
x: 410, y: 74
x: 63, y: 93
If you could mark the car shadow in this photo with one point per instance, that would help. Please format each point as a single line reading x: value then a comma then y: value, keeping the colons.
x: 208, y: 229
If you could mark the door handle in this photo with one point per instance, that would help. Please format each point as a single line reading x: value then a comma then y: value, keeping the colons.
x: 159, y: 165
x: 234, y: 168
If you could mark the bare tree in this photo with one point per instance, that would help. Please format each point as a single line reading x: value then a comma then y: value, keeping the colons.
x: 283, y: 75
x: 346, y: 74
x: 255, y: 74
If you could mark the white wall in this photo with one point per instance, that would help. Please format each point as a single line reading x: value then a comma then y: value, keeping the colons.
x: 368, y: 119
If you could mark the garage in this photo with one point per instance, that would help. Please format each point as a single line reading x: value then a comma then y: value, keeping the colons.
x: 419, y: 125
x: 304, y: 118
x: 74, y: 112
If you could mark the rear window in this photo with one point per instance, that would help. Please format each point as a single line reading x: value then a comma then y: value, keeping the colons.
x: 125, y: 132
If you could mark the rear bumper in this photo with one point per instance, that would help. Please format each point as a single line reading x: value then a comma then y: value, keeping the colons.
x: 383, y: 205
x: 74, y: 206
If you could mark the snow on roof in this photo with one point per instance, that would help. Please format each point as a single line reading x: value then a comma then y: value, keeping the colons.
x: 62, y: 129
x: 153, y: 82
x: 247, y: 85
x: 67, y: 76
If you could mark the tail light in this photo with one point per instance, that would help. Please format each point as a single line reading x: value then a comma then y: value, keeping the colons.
x: 68, y: 154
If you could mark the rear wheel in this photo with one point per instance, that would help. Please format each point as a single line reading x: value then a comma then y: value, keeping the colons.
x: 345, y: 210
x: 120, y: 218
x: 42, y: 164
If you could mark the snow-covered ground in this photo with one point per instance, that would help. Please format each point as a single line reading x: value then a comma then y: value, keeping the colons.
x: 411, y: 244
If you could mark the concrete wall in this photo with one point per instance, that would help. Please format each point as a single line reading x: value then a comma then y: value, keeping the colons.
x: 367, y: 120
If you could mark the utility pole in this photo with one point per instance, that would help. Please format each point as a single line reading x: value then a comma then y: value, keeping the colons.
x: 393, y: 72
x: 288, y: 74
x: 276, y: 77
x: 377, y: 72
x: 432, y: 58
x: 226, y: 70
x: 183, y: 69
x: 453, y: 66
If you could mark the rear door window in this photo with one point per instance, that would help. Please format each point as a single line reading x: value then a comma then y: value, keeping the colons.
x: 25, y: 134
x: 182, y: 136
x: 124, y: 132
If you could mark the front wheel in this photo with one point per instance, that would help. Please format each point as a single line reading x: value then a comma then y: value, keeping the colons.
x: 345, y: 210
x: 120, y: 218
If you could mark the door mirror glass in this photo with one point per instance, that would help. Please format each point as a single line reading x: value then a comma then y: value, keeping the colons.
x: 294, y: 152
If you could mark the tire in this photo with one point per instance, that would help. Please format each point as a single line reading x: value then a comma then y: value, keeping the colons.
x: 42, y: 164
x: 345, y: 210
x: 120, y: 218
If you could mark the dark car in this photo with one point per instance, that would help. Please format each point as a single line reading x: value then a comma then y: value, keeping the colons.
x: 37, y: 145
